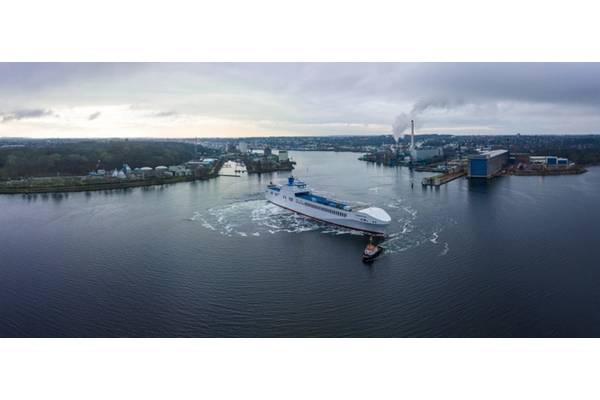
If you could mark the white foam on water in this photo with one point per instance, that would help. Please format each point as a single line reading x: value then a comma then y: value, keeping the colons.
x: 208, y: 226
x: 408, y: 236
x: 254, y: 216
x: 434, y: 238
x: 395, y: 203
x: 445, y: 250
x: 334, y: 230
x: 410, y: 211
x: 195, y: 216
x: 407, y: 226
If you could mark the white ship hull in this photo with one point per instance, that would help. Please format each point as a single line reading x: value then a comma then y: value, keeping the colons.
x: 370, y: 220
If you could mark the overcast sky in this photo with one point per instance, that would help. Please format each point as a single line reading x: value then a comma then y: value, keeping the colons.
x: 256, y: 99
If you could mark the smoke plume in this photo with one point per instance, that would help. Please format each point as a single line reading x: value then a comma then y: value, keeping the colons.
x: 402, y: 121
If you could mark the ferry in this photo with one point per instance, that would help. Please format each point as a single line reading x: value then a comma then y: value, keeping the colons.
x: 295, y: 196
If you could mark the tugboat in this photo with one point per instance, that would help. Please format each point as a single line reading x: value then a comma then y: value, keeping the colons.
x: 371, y: 252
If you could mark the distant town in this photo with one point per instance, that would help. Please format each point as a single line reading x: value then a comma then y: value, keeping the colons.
x: 42, y: 166
x: 46, y: 165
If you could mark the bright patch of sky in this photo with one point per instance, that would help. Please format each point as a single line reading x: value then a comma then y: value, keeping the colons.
x: 267, y: 99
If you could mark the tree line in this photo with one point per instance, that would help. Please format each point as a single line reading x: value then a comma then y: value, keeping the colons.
x: 79, y: 158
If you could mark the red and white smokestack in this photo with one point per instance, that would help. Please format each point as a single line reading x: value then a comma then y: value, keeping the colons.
x: 412, y: 134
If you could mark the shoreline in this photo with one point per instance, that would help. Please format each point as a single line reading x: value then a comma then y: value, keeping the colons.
x: 548, y: 172
x: 4, y: 190
x: 116, y: 185
x: 111, y: 185
x: 97, y: 186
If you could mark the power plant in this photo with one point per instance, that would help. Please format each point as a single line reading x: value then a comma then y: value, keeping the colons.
x: 422, y: 153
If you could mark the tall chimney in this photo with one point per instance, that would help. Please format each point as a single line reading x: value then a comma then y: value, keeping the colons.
x: 412, y: 134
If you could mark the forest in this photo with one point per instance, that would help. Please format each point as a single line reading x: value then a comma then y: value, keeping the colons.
x: 79, y: 158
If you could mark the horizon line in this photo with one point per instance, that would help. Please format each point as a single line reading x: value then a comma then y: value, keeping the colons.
x: 284, y: 136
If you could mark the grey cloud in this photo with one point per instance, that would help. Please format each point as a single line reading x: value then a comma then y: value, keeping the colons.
x: 435, y: 103
x: 501, y: 96
x: 94, y: 116
x: 26, y: 114
x: 38, y: 76
x: 163, y: 114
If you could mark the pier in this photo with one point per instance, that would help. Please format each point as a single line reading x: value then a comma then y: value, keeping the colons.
x: 438, y: 180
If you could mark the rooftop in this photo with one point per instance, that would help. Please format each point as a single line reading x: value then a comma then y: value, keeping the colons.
x: 489, y: 154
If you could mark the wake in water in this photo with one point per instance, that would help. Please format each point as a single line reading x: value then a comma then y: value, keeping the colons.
x: 405, y: 237
x: 445, y: 250
x: 258, y: 217
x: 434, y: 238
x: 411, y: 232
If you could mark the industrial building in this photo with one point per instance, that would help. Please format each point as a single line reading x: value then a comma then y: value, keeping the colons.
x: 549, y: 161
x: 283, y: 156
x: 487, y: 164
x: 242, y: 147
x: 422, y: 153
x: 425, y: 153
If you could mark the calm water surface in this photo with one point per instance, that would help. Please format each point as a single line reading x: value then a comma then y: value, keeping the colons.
x: 516, y: 257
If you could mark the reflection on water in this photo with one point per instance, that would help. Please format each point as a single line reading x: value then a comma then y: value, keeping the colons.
x: 511, y: 257
x: 253, y: 216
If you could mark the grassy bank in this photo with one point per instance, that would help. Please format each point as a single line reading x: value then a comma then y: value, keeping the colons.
x: 74, y: 184
x: 94, y: 186
x: 548, y: 172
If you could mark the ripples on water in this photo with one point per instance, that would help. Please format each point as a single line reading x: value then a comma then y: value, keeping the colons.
x: 514, y: 257
x: 254, y: 217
